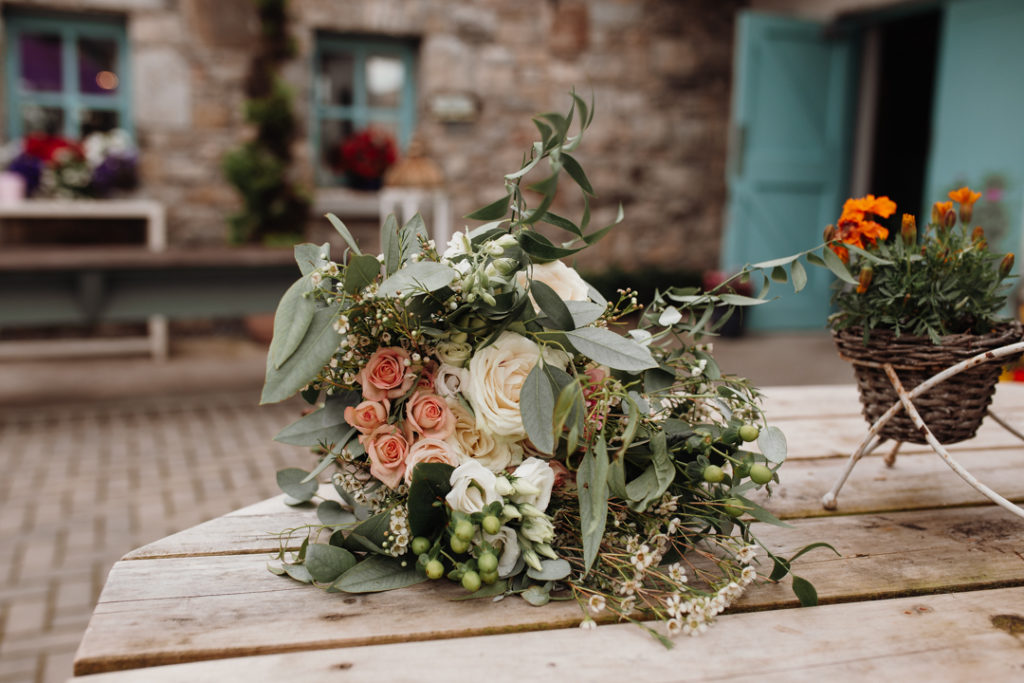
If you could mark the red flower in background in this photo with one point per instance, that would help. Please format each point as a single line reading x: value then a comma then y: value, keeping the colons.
x: 46, y: 147
x: 368, y: 153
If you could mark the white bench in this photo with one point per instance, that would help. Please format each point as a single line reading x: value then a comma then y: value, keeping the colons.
x: 152, y: 212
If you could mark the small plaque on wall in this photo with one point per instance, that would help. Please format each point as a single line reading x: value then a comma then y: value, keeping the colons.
x: 454, y: 107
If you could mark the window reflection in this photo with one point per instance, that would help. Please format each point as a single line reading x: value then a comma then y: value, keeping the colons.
x: 336, y: 76
x: 384, y: 78
x: 40, y: 62
x: 97, y: 66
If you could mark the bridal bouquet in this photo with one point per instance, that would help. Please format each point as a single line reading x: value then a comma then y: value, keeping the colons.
x: 485, y: 422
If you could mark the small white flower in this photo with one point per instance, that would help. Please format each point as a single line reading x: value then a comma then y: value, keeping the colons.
x: 677, y: 573
x: 596, y: 604
x: 748, y: 575
x: 746, y: 554
x: 674, y: 626
x: 588, y: 624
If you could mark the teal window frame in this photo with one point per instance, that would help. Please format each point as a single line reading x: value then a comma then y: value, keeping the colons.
x: 360, y: 113
x: 70, y: 28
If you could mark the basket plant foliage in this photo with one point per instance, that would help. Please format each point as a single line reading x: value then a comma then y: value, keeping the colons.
x: 922, y: 300
x: 482, y: 418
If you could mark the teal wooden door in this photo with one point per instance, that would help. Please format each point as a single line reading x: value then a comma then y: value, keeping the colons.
x: 978, y: 123
x: 791, y: 112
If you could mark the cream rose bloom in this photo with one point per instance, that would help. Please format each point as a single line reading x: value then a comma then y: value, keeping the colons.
x: 496, y: 376
x: 493, y: 452
x: 472, y: 488
x: 566, y: 282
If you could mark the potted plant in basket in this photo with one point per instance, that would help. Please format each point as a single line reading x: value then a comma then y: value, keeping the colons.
x: 923, y: 301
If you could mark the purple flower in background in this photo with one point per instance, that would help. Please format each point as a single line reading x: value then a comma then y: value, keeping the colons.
x: 28, y: 167
x: 115, y: 172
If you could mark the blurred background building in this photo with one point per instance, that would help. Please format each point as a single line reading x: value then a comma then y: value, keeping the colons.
x: 730, y: 130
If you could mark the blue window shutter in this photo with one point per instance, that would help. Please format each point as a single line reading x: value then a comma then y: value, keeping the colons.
x: 788, y: 157
x: 979, y: 105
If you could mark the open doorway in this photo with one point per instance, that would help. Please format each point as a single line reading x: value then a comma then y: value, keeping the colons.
x: 897, y: 87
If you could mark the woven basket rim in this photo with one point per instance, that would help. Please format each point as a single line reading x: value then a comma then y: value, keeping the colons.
x: 908, y: 352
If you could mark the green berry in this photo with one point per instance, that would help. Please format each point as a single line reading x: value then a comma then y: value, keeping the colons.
x: 465, y: 530
x: 435, y: 570
x: 733, y: 507
x: 420, y: 545
x: 749, y: 432
x: 487, y: 562
x: 471, y: 581
x: 489, y: 577
x: 713, y: 474
x: 491, y: 524
x: 760, y: 474
x: 458, y: 545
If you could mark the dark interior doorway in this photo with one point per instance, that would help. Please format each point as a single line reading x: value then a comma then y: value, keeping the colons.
x: 903, y: 118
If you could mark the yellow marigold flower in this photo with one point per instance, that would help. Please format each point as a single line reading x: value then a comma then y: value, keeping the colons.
x: 965, y: 198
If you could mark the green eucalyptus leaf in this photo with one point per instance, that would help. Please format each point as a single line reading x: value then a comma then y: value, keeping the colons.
x: 740, y: 300
x: 584, y: 312
x: 772, y: 443
x: 492, y: 211
x: 298, y: 572
x: 430, y: 484
x: 607, y: 348
x: 563, y: 223
x: 548, y: 189
x: 575, y: 171
x: 805, y: 592
x: 799, y: 275
x: 331, y: 513
x: 327, y: 562
x: 345, y: 234
x: 361, y: 271
x: 391, y: 245
x: 592, y: 485
x: 309, y: 257
x: 541, y: 248
x: 815, y: 259
x: 485, y: 591
x: 598, y: 234
x: 550, y: 570
x: 655, y: 479
x: 537, y: 407
x: 422, y: 276
x: 537, y: 595
x: 324, y: 425
x: 779, y: 274
x: 838, y: 268
x: 291, y: 481
x: 375, y: 574
x: 291, y: 321
x: 370, y: 534
x: 552, y: 306
x: 413, y: 232
x: 318, y: 345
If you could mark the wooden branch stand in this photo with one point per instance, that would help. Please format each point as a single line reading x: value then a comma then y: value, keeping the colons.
x: 872, y: 441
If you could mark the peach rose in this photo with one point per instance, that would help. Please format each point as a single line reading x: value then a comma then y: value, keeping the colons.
x: 388, y: 451
x: 429, y: 450
x: 386, y: 374
x: 429, y: 416
x: 367, y: 416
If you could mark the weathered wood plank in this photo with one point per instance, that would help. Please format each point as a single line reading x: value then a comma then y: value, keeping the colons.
x: 937, y: 637
x: 162, y: 611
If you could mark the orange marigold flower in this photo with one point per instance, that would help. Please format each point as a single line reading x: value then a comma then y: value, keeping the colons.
x: 939, y: 211
x: 964, y: 196
x: 880, y: 206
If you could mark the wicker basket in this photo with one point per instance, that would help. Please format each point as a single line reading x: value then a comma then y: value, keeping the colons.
x: 954, y: 409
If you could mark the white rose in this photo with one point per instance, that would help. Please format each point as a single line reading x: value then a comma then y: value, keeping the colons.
x: 448, y: 380
x: 539, y: 478
x: 566, y: 282
x: 493, y: 452
x: 496, y: 376
x: 472, y: 488
x: 507, y: 539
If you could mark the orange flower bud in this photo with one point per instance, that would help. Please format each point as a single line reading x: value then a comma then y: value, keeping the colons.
x: 949, y: 220
x: 909, y: 229
x: 830, y: 232
x: 1006, y: 265
x: 864, y: 281
x: 939, y: 210
x: 965, y: 197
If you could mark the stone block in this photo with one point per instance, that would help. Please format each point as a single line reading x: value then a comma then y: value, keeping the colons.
x: 570, y: 30
x: 225, y: 23
x: 163, y: 89
x: 151, y: 28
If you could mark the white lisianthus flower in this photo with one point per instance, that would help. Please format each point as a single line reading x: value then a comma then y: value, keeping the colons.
x: 566, y: 282
x: 537, y: 529
x: 449, y: 380
x: 507, y: 539
x: 539, y: 477
x: 496, y: 376
x: 472, y: 488
x: 457, y: 246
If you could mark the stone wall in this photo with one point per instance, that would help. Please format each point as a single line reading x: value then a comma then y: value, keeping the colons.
x: 659, y: 71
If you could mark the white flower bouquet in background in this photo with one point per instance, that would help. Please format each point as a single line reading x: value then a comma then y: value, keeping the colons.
x: 484, y: 421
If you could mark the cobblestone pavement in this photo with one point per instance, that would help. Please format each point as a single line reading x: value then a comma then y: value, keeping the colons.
x: 82, y: 485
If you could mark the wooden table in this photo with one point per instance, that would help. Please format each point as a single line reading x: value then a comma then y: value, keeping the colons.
x: 930, y: 585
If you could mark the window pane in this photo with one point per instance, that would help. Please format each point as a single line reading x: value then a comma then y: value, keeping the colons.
x: 40, y: 62
x: 97, y: 66
x: 385, y: 76
x: 98, y: 121
x: 36, y: 119
x: 336, y: 73
x: 332, y: 134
